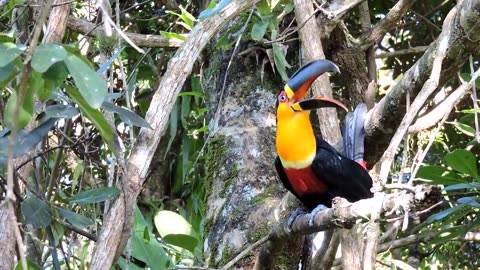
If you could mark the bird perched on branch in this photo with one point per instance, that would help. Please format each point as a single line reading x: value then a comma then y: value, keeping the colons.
x: 308, y: 166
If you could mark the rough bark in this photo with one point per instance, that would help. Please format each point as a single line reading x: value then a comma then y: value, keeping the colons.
x: 384, y: 117
x: 117, y: 223
x: 244, y: 194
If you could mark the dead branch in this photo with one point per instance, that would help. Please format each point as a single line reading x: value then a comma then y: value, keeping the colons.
x: 413, y: 50
x: 434, y: 116
x: 387, y: 23
x: 152, y: 41
x: 117, y: 223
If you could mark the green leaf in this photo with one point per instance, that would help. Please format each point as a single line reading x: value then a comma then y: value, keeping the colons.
x: 93, y: 115
x: 185, y: 241
x: 31, y: 265
x: 61, y: 111
x: 187, y: 18
x: 280, y: 62
x: 7, y: 73
x: 463, y: 161
x: 127, y: 116
x: 46, y: 55
x: 95, y: 195
x: 169, y: 222
x: 437, y: 175
x: 274, y: 3
x: 445, y: 213
x: 25, y: 141
x: 73, y: 218
x: 171, y: 35
x: 470, y: 201
x: 91, y: 86
x: 36, y: 212
x: 258, y: 30
x: 8, y: 52
x: 465, y: 129
x: 467, y: 77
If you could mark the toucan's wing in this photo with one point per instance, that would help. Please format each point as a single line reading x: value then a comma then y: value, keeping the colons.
x: 343, y: 176
x: 354, y: 133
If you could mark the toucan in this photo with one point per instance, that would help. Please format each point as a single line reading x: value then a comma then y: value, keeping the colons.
x: 308, y: 166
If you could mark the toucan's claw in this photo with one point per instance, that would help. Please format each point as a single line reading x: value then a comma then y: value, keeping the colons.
x: 314, y: 212
x: 299, y: 211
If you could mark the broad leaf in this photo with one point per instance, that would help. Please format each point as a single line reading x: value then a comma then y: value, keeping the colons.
x: 8, y: 52
x: 463, y: 186
x: 279, y: 58
x: 31, y: 265
x: 95, y: 116
x: 185, y: 241
x: 465, y: 129
x: 258, y: 30
x: 73, y: 218
x: 46, y: 55
x: 463, y: 161
x: 36, y: 212
x: 172, y: 35
x: 127, y: 116
x: 95, y: 195
x: 91, y: 86
x: 438, y: 175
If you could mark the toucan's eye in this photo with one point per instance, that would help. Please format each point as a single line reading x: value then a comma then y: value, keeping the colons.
x: 282, y: 97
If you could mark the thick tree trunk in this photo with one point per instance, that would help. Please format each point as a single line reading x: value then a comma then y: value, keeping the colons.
x: 243, y: 192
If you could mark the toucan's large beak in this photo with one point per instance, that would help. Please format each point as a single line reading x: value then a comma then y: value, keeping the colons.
x: 298, y: 85
x: 317, y: 102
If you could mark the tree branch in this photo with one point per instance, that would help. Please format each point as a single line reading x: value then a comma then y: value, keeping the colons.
x: 117, y: 223
x: 152, y: 41
x: 413, y: 50
x: 387, y: 23
x: 384, y: 118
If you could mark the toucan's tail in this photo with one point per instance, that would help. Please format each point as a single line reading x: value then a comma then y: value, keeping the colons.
x: 354, y: 134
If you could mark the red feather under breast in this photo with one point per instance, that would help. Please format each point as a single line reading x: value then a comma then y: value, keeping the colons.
x: 304, y: 181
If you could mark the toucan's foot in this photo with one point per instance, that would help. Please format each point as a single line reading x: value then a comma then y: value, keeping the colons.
x: 299, y: 211
x: 314, y: 212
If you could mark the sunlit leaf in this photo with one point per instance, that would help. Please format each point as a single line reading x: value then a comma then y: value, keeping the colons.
x: 172, y: 35
x: 91, y: 86
x: 46, y: 55
x: 127, y: 116
x: 36, y: 212
x: 77, y: 220
x: 463, y: 161
x: 95, y: 195
x: 465, y: 129
x: 169, y: 222
x: 8, y: 52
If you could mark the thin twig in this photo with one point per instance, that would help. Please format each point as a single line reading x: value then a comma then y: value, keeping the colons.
x: 244, y: 253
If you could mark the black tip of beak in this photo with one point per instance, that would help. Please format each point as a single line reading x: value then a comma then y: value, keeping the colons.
x: 309, y: 72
